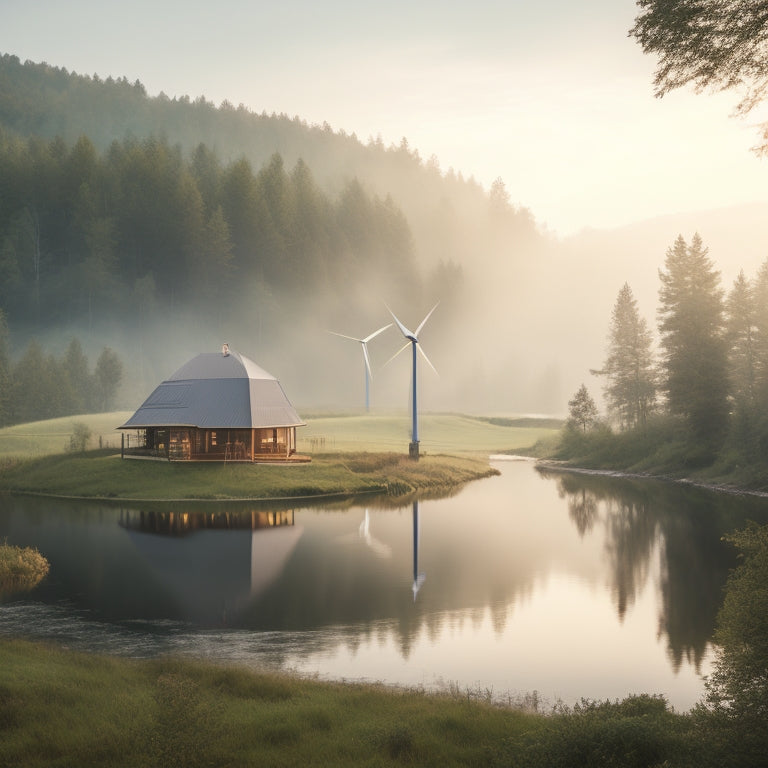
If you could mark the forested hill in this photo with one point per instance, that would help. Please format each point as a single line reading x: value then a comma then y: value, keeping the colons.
x: 50, y: 102
x: 163, y: 226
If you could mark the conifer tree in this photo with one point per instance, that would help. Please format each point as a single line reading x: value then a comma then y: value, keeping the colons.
x: 5, y: 372
x: 630, y: 389
x: 694, y: 351
x: 741, y: 336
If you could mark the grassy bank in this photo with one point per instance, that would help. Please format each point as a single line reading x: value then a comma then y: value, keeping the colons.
x: 62, y: 708
x: 103, y: 474
x: 440, y: 433
x: 351, y: 454
x: 662, y: 449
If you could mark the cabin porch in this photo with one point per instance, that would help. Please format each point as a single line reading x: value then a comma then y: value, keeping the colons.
x: 273, y: 444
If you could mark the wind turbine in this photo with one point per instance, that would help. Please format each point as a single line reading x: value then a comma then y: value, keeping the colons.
x: 366, y: 359
x: 413, y: 340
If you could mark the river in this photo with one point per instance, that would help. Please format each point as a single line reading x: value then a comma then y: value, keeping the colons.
x: 531, y: 587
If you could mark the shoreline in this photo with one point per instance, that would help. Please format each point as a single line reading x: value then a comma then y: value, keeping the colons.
x: 733, y: 490
x: 105, y: 479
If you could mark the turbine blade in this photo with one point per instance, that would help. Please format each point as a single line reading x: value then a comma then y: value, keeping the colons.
x: 423, y: 322
x: 367, y: 360
x: 376, y: 333
x: 424, y: 355
x: 402, y: 328
x: 344, y: 336
x: 408, y: 344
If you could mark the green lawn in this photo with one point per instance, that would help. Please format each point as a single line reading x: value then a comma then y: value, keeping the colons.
x: 42, y: 438
x: 438, y: 433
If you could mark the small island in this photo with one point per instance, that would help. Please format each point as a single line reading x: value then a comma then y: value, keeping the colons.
x: 100, y: 474
x: 21, y: 568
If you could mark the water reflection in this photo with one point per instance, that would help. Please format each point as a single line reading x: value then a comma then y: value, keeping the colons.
x: 179, y: 523
x: 667, y: 531
x: 572, y: 584
x: 418, y: 577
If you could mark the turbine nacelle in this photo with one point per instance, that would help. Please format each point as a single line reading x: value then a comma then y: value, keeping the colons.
x: 412, y: 336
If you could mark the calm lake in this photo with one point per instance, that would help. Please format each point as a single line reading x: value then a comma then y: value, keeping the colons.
x: 572, y: 586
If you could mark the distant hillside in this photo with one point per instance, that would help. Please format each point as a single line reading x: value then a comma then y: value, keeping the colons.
x: 522, y: 316
x: 444, y: 210
x: 121, y: 201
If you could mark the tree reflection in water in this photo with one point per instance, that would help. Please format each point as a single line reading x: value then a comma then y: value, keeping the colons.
x: 680, y: 525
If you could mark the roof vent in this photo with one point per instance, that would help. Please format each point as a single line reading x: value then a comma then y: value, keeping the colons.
x: 225, y: 350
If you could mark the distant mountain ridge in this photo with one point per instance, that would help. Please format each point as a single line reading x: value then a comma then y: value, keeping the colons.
x: 46, y: 101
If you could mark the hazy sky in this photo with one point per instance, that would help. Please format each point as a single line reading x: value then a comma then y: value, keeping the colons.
x: 548, y: 94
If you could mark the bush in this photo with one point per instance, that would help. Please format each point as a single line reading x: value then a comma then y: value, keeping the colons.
x: 638, y: 732
x: 78, y: 440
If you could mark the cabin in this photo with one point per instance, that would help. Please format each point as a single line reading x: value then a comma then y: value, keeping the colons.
x: 220, y: 406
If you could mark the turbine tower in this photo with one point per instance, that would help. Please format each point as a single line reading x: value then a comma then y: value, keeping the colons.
x: 413, y: 340
x: 366, y: 359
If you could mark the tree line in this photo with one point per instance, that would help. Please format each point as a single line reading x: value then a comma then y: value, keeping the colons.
x: 709, y: 377
x: 39, y: 386
x: 83, y: 233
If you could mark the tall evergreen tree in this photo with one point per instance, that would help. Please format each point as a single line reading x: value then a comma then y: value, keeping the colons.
x: 5, y: 373
x: 75, y: 365
x: 760, y: 310
x: 694, y: 350
x: 630, y: 389
x: 107, y: 377
x: 741, y: 335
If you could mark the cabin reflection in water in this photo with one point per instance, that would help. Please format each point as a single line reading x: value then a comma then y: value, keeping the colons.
x: 180, y: 523
x: 208, y: 567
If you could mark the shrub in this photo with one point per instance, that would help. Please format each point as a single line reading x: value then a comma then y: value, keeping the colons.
x: 78, y: 440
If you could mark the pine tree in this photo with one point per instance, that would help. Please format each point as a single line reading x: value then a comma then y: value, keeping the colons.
x: 630, y: 390
x: 741, y: 336
x: 694, y: 351
x: 582, y: 410
x: 107, y: 376
x: 5, y: 372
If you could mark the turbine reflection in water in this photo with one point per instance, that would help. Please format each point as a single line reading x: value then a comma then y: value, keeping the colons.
x: 418, y: 578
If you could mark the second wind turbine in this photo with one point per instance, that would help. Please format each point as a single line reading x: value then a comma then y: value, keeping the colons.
x: 413, y: 340
x: 366, y: 359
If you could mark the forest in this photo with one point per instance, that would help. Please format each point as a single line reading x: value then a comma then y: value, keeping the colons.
x: 145, y: 223
x: 701, y: 399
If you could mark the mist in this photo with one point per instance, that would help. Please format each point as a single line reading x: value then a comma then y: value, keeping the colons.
x: 186, y: 249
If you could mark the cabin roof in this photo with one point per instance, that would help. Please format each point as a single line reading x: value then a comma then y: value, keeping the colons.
x: 217, y: 390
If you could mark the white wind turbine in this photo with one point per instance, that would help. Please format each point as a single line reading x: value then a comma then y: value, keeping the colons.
x: 366, y: 359
x: 413, y: 340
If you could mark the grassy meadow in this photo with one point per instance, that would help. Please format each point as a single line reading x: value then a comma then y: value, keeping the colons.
x: 324, y: 433
x: 62, y: 708
x: 351, y: 455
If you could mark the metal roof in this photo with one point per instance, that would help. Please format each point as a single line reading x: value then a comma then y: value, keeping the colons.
x: 217, y: 391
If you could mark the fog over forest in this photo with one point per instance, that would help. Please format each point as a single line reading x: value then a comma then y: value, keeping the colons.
x: 522, y: 315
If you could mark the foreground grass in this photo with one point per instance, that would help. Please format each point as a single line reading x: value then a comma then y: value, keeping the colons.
x: 103, y: 474
x: 62, y: 708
